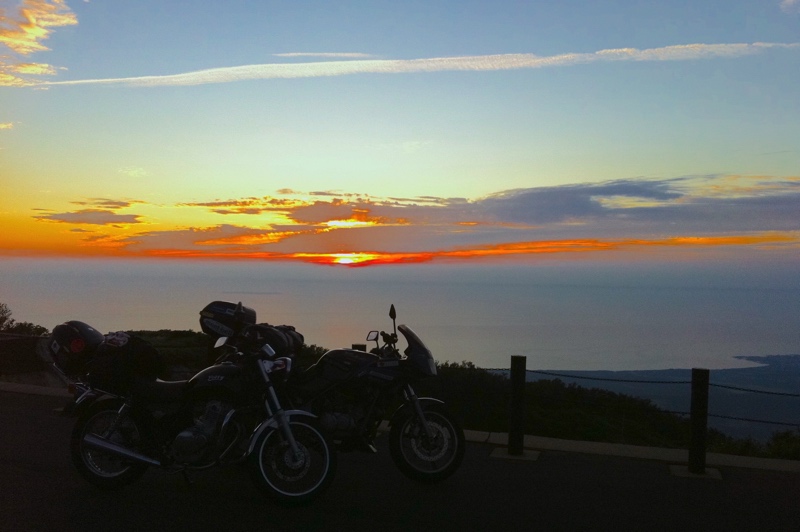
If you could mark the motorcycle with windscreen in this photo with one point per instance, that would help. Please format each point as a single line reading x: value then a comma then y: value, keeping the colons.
x: 353, y: 392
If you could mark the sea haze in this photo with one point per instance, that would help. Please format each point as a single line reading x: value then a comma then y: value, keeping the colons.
x: 567, y: 316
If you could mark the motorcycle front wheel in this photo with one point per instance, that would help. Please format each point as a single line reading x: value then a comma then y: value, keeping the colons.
x: 290, y: 478
x: 101, y: 468
x: 423, y: 458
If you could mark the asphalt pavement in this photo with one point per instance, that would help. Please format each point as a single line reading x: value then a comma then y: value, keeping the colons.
x: 556, y: 485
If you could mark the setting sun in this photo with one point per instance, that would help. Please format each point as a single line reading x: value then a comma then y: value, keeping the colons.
x: 348, y: 224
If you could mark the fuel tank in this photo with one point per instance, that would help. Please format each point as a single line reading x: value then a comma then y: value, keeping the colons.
x: 342, y: 365
x: 219, y: 378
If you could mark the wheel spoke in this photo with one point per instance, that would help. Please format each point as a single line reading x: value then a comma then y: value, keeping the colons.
x: 424, y: 458
x: 290, y: 477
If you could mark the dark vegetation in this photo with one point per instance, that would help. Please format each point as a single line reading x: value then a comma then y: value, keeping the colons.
x: 480, y: 399
x: 9, y: 326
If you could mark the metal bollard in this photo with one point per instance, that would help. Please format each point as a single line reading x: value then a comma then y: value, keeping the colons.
x: 698, y: 421
x: 516, y: 430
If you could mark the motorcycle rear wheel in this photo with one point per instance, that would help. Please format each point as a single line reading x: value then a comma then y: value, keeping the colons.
x: 421, y: 458
x: 102, y: 468
x: 289, y: 479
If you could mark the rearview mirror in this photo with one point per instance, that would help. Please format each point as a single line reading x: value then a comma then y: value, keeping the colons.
x: 222, y: 340
x: 372, y: 336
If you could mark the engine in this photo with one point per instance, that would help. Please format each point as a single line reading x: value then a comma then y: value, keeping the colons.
x: 340, y: 424
x: 197, y: 442
x: 343, y: 411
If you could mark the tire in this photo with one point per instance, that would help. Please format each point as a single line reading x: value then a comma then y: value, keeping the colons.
x: 276, y: 472
x: 419, y: 458
x: 101, y: 468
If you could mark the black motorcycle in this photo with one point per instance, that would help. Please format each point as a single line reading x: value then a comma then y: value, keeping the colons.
x: 353, y: 391
x: 229, y: 413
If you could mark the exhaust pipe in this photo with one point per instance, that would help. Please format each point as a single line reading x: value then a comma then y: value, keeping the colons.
x: 102, y: 444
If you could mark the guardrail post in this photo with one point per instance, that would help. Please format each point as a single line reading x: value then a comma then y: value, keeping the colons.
x: 698, y: 421
x: 517, y: 414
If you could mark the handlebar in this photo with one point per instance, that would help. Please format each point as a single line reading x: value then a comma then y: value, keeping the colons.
x: 236, y: 351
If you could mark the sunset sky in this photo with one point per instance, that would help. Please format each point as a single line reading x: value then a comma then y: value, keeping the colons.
x: 363, y: 133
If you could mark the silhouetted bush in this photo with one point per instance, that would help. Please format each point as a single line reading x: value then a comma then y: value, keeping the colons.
x: 784, y: 444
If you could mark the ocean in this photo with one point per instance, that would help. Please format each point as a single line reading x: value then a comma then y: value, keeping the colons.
x: 559, y: 315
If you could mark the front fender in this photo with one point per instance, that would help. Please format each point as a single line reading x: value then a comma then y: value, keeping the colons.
x: 401, y: 411
x: 272, y: 423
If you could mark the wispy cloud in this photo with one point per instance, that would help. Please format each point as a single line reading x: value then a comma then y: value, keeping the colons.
x: 439, y: 64
x: 6, y: 125
x: 92, y: 217
x: 134, y: 172
x: 790, y: 6
x: 105, y: 203
x: 337, y: 55
x: 23, y: 33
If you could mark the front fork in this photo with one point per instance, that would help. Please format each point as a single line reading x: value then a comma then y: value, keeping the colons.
x: 412, y: 398
x: 274, y: 409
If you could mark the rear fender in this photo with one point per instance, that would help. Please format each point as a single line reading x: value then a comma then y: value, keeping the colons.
x: 272, y: 423
x: 84, y: 398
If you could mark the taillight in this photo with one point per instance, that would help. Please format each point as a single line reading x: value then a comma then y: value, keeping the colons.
x: 77, y: 345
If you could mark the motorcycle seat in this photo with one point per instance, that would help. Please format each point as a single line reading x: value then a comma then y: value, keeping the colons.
x: 158, y: 391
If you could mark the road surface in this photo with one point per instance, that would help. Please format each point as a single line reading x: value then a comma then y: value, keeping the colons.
x: 40, y: 490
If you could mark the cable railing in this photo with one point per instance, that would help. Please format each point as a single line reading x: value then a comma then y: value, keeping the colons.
x: 698, y: 414
x: 766, y: 392
x: 637, y: 381
x: 677, y: 412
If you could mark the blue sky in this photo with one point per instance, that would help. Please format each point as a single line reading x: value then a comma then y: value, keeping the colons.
x: 416, y: 129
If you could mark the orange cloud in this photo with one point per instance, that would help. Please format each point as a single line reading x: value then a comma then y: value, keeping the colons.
x: 549, y: 247
x: 519, y: 249
x: 38, y: 69
x: 92, y: 217
x: 23, y: 34
x: 594, y: 245
x: 249, y: 240
x: 249, y: 205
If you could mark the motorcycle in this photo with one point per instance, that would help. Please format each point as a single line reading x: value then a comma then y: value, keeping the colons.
x: 228, y: 413
x: 353, y: 391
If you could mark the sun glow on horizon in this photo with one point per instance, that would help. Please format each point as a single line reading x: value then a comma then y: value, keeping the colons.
x: 348, y: 224
x: 353, y: 258
x: 343, y: 259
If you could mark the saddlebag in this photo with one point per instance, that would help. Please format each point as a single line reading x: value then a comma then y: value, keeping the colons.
x: 120, y: 359
x: 283, y: 339
x: 220, y: 318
